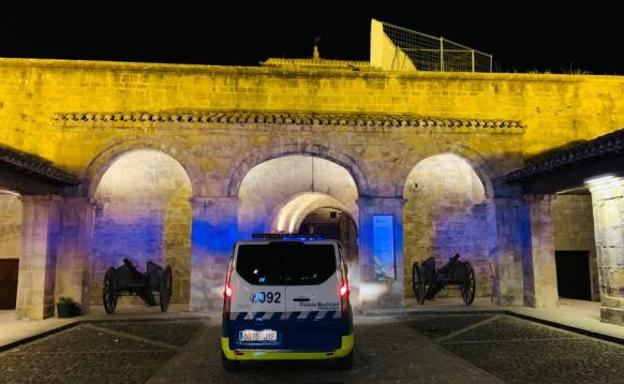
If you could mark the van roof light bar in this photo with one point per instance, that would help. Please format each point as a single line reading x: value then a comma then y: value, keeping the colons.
x: 285, y: 236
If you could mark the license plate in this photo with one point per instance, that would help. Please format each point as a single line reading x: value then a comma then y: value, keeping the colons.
x: 253, y: 335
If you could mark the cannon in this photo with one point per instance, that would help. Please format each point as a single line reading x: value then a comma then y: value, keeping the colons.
x: 128, y: 281
x: 427, y: 281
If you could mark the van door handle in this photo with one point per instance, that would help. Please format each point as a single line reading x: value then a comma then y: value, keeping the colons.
x: 301, y: 299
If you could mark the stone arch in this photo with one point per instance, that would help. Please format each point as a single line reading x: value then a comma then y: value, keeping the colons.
x: 301, y: 207
x: 242, y: 168
x: 472, y: 157
x: 449, y: 209
x: 105, y: 158
x: 143, y: 213
x: 287, y: 217
x: 270, y: 184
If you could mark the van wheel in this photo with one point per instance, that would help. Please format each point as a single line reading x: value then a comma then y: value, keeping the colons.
x: 344, y: 363
x: 229, y: 365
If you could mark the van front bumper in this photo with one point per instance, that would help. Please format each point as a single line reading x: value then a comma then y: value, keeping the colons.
x: 259, y: 354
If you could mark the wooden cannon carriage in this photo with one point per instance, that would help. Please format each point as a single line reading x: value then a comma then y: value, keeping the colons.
x: 427, y: 281
x: 128, y: 281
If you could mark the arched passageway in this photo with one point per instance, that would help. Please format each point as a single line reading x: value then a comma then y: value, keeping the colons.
x: 143, y: 213
x: 445, y: 213
x: 334, y: 223
x: 306, y: 195
x: 270, y: 186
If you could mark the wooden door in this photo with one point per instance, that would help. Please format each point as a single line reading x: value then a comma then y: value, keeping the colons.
x: 8, y: 282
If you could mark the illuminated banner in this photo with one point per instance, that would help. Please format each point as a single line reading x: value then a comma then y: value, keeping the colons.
x: 383, y: 247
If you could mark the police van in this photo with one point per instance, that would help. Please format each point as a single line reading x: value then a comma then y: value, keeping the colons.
x: 286, y: 298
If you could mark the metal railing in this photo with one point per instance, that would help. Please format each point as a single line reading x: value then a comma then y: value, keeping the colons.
x: 430, y: 53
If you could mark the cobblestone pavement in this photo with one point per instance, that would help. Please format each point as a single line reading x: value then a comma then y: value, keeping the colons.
x: 111, y: 352
x: 520, y: 351
x: 460, y: 348
x: 387, y: 352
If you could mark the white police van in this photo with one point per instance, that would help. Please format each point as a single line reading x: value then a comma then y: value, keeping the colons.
x: 286, y: 298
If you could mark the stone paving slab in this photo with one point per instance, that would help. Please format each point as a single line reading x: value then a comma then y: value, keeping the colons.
x: 173, y: 332
x: 436, y: 326
x: 14, y: 331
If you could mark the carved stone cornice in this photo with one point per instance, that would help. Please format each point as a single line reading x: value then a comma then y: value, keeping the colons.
x: 459, y: 125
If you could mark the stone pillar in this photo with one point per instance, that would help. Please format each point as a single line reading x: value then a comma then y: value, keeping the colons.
x: 507, y: 237
x: 74, y: 255
x: 36, y: 279
x: 540, y: 272
x: 214, y: 232
x: 376, y: 292
x: 608, y: 204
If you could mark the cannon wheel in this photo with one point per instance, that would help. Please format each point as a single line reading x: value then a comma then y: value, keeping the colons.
x: 165, y: 289
x: 418, y: 283
x: 109, y: 294
x: 468, y: 285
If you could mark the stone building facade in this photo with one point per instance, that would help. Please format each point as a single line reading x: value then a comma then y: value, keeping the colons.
x: 176, y: 162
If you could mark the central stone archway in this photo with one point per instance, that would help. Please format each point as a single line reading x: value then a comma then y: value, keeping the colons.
x: 280, y: 194
x: 274, y: 184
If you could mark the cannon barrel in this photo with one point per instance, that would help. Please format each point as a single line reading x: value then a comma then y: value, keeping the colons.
x: 135, y: 272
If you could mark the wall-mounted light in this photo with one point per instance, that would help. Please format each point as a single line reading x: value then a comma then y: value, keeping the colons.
x: 10, y: 193
x: 599, y: 180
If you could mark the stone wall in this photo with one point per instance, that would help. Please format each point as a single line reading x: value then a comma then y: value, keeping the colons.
x: 444, y: 214
x: 573, y: 223
x: 567, y: 107
x: 608, y: 211
x: 82, y: 115
x: 10, y: 226
x: 177, y: 241
x: 143, y: 213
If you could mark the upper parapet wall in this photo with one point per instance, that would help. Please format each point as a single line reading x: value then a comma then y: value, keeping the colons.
x: 554, y: 109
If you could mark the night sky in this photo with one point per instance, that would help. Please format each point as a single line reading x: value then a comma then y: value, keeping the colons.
x: 523, y: 37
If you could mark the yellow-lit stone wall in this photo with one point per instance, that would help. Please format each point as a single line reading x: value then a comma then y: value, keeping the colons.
x: 10, y: 226
x: 556, y: 109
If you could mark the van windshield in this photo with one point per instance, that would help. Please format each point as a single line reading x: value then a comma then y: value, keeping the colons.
x: 285, y: 263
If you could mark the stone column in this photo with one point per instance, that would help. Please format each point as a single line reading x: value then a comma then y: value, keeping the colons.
x: 214, y: 232
x: 540, y: 272
x: 74, y: 255
x: 375, y: 292
x: 36, y: 279
x: 507, y: 237
x: 608, y: 204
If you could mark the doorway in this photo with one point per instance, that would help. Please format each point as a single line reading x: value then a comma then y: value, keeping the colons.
x: 8, y: 282
x: 573, y: 276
